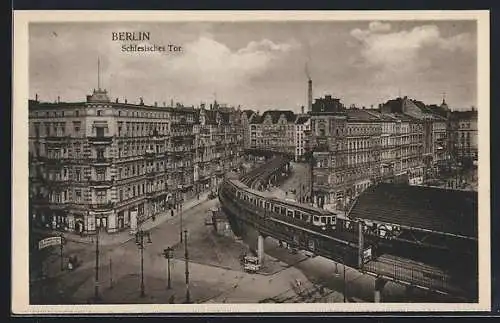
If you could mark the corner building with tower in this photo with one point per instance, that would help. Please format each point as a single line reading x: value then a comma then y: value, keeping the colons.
x: 111, y: 165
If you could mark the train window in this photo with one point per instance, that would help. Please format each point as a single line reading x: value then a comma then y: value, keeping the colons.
x: 323, y: 219
x: 297, y: 215
x: 283, y: 211
x: 268, y: 205
x: 277, y: 209
x: 316, y: 218
x: 333, y: 220
x: 290, y: 213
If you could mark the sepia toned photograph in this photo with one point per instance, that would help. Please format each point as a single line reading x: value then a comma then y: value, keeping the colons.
x: 280, y: 163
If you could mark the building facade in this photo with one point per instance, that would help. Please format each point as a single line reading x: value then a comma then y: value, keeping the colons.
x: 353, y: 148
x: 302, y: 127
x: 274, y: 130
x: 111, y: 165
x: 463, y: 132
x: 246, y: 118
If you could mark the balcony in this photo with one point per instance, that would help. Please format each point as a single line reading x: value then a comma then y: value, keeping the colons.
x: 102, y: 206
x: 101, y: 161
x: 57, y: 139
x: 149, y: 154
x: 100, y: 140
x: 101, y: 183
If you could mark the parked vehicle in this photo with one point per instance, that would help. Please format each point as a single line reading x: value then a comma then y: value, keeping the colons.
x: 251, y: 264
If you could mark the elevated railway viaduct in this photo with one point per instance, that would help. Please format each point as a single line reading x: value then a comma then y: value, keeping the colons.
x: 396, y: 233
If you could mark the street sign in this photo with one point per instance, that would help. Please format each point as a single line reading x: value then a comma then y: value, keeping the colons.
x: 50, y: 241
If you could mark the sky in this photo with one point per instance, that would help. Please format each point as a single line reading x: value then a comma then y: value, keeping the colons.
x: 259, y: 65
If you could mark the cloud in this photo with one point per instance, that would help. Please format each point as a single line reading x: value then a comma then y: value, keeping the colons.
x: 208, y: 62
x: 377, y: 26
x: 204, y: 66
x: 405, y: 50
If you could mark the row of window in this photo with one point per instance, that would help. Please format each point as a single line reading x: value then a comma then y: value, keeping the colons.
x: 100, y: 112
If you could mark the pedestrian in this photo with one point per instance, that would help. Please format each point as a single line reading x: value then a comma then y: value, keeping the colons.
x: 171, y: 212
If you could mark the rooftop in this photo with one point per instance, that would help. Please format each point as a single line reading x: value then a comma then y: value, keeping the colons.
x: 419, y: 207
x: 302, y: 119
x: 275, y: 115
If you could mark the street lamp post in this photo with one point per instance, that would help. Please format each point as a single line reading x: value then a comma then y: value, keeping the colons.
x: 167, y: 253
x: 181, y: 228
x: 186, y: 258
x: 61, y: 249
x: 139, y: 240
x: 96, y: 282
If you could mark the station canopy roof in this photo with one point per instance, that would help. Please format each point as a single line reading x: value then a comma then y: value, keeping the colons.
x: 419, y: 207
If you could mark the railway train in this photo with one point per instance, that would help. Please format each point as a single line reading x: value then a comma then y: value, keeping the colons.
x: 341, y: 232
x: 293, y: 212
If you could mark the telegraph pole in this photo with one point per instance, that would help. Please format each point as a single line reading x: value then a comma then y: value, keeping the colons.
x: 186, y: 258
x: 61, y: 251
x: 167, y: 253
x: 139, y: 240
x: 96, y: 284
x: 142, y: 266
x: 181, y: 229
x: 345, y: 283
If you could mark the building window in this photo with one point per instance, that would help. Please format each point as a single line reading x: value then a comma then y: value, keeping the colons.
x: 78, y: 195
x: 99, y: 131
x: 76, y: 127
x: 101, y: 173
x: 100, y: 154
x: 78, y: 174
x: 99, y: 112
x: 101, y: 196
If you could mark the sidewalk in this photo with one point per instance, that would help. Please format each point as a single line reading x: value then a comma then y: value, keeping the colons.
x: 121, y: 237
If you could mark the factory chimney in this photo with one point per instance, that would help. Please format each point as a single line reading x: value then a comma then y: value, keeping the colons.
x: 309, y: 95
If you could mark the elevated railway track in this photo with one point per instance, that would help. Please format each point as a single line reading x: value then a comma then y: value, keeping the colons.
x: 324, y: 233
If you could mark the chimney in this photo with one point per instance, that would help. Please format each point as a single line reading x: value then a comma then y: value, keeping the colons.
x: 36, y: 97
x: 309, y: 95
x: 116, y: 100
x: 125, y: 100
x: 473, y: 108
x: 156, y: 104
x: 58, y: 99
x: 172, y: 103
x: 141, y: 101
x: 302, y: 109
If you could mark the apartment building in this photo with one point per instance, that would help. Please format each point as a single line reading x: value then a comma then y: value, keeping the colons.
x: 302, y: 127
x: 111, y: 165
x: 353, y: 148
x: 246, y: 118
x: 463, y: 130
x: 274, y: 130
